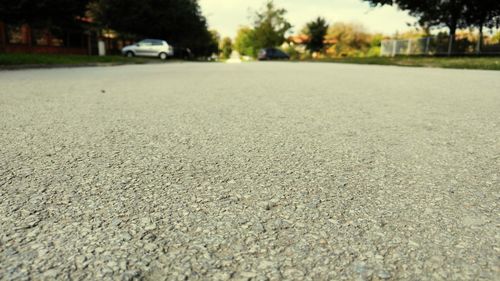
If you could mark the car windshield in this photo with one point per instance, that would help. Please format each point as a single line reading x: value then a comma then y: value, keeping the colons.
x: 145, y: 42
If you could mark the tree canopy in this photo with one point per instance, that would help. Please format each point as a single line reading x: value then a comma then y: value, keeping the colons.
x: 226, y: 47
x: 47, y: 13
x: 270, y: 26
x: 178, y: 21
x: 451, y: 13
x: 350, y: 39
x: 316, y: 30
x: 269, y: 29
x: 245, y: 42
x: 483, y: 13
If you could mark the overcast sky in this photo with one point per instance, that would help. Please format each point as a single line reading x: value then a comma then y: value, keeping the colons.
x: 227, y: 15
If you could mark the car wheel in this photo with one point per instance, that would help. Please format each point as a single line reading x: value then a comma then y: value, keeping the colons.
x: 163, y: 56
x: 129, y: 54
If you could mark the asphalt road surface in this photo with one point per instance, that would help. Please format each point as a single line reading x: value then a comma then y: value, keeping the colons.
x: 256, y: 171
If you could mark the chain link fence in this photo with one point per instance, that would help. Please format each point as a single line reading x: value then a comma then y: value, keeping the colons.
x: 435, y: 46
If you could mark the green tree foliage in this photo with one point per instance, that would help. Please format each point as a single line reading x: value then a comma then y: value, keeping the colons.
x: 496, y: 38
x: 294, y: 53
x: 316, y: 30
x: 206, y: 48
x: 375, y: 43
x: 226, y: 47
x: 43, y: 13
x: 270, y: 26
x: 433, y: 12
x: 481, y: 14
x: 178, y: 21
x: 215, y: 36
x: 214, y: 41
x: 245, y: 42
x: 351, y: 39
x: 376, y: 40
x: 451, y: 13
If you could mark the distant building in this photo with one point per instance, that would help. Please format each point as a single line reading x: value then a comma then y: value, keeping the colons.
x: 299, y: 42
x: 15, y: 38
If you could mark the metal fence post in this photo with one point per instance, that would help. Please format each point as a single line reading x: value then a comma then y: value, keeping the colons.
x: 394, y: 46
x: 427, y: 45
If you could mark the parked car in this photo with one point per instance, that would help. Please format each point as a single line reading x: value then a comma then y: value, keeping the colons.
x: 272, y: 54
x: 149, y: 48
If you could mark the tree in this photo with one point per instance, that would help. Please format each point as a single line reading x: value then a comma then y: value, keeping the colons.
x: 43, y: 13
x: 215, y: 36
x: 433, y: 13
x: 351, y: 39
x: 226, y: 47
x: 481, y: 14
x: 496, y: 38
x: 270, y: 26
x: 245, y: 42
x: 316, y: 30
x: 178, y: 21
x: 213, y: 44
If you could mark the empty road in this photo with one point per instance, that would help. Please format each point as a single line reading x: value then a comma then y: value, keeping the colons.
x: 256, y: 171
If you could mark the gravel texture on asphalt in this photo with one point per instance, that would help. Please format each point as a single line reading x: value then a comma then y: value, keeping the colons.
x: 257, y: 171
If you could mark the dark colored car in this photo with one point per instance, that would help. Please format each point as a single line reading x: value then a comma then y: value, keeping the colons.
x: 183, y: 53
x: 272, y: 54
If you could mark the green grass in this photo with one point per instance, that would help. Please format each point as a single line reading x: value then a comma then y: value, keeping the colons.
x: 487, y: 63
x: 51, y: 60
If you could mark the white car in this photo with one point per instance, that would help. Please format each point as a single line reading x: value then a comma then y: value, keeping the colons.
x: 149, y: 48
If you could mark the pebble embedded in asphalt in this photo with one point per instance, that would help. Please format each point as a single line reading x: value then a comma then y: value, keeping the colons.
x: 255, y: 171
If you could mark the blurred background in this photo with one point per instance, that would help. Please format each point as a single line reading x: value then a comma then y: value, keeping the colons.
x: 215, y: 29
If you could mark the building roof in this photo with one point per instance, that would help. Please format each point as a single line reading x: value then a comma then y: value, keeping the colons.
x: 302, y: 39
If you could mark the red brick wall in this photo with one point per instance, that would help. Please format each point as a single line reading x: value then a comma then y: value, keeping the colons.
x: 26, y: 33
x: 31, y: 49
x: 2, y: 35
x: 44, y: 50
